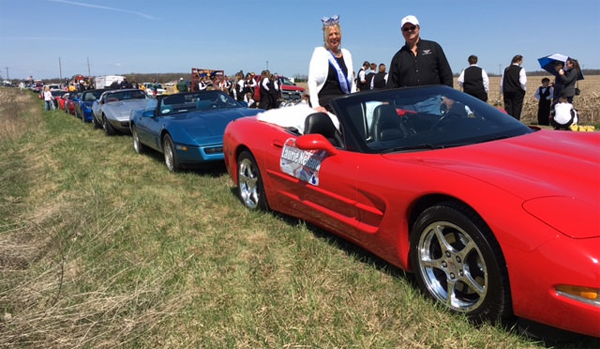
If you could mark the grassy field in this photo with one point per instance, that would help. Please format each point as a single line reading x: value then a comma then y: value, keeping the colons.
x: 104, y: 248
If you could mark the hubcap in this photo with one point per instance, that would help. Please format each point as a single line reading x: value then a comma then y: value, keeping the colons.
x: 248, y: 183
x: 452, y: 266
x: 169, y: 155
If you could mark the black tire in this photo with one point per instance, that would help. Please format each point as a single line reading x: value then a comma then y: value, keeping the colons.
x: 137, y: 145
x: 170, y: 154
x: 95, y: 122
x: 109, y: 130
x: 250, y: 185
x: 468, y: 263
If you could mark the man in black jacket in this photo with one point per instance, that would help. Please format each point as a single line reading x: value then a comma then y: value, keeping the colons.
x: 418, y: 62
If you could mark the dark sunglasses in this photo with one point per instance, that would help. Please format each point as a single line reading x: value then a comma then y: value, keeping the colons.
x: 410, y: 29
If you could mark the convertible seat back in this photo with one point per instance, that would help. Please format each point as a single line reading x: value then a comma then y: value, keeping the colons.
x: 387, y: 124
x: 320, y: 123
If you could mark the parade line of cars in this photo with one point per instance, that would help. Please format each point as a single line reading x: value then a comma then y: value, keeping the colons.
x: 494, y: 218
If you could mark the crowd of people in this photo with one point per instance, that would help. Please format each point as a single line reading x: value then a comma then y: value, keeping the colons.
x: 423, y: 62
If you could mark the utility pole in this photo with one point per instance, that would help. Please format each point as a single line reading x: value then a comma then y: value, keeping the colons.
x: 60, y: 69
x: 267, y: 65
x: 7, y: 77
x: 88, y: 64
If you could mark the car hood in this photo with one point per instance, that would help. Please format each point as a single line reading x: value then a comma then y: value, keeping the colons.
x: 548, y: 170
x: 208, y: 126
x: 121, y: 109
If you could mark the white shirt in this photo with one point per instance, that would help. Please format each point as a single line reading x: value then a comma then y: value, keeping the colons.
x: 562, y: 113
x: 484, y: 76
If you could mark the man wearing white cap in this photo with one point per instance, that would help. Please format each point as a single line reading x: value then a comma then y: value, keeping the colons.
x: 418, y: 62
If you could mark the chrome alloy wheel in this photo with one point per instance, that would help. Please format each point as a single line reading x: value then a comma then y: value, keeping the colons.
x: 452, y: 266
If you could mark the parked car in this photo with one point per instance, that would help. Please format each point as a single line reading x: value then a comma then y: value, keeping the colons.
x: 494, y: 218
x: 61, y: 99
x: 57, y: 94
x: 70, y: 102
x: 83, y: 107
x: 186, y: 127
x: 112, y: 109
x: 153, y: 89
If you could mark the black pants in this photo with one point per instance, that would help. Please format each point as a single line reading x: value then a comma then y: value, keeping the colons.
x: 513, y: 103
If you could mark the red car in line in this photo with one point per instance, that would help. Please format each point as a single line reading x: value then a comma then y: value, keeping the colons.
x: 494, y: 218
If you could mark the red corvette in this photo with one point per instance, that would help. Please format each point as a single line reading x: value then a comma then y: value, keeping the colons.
x: 495, y: 219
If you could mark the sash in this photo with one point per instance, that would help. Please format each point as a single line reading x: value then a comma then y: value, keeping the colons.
x: 344, y: 83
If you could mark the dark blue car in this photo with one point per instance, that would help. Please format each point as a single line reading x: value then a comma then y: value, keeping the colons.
x: 186, y: 127
x: 83, y: 104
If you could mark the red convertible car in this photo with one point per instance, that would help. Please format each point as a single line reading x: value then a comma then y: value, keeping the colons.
x: 494, y: 218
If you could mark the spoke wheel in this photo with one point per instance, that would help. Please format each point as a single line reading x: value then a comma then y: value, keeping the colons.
x: 137, y: 145
x: 250, y: 186
x: 108, y: 128
x: 170, y: 155
x: 458, y: 262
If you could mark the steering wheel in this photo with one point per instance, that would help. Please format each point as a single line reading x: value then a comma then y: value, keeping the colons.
x: 446, y: 115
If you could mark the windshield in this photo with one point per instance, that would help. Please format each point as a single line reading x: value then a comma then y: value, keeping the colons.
x: 422, y: 118
x: 125, y: 95
x: 90, y: 96
x: 196, y: 101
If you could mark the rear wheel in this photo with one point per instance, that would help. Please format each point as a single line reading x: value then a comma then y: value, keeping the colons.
x: 458, y: 262
x: 170, y: 155
x: 250, y: 185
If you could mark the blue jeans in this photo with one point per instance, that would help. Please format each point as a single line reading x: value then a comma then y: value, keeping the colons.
x: 50, y: 105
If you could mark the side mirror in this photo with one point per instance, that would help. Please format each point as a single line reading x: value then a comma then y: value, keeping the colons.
x: 315, y: 142
x: 148, y: 114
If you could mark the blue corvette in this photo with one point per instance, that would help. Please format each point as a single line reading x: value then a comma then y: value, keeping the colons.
x: 186, y: 127
x: 83, y: 104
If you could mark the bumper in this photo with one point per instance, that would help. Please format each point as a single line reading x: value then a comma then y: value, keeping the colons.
x: 190, y: 155
x: 562, y: 261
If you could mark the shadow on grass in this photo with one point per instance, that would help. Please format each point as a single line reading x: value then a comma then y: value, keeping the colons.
x: 544, y: 335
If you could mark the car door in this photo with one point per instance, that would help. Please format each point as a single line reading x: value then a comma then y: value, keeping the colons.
x: 320, y: 187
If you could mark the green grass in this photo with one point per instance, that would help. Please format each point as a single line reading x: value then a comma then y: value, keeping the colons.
x: 101, y: 247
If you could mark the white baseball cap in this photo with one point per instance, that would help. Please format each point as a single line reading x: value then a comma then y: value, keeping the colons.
x: 409, y: 19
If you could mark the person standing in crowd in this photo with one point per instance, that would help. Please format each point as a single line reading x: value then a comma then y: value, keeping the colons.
x: 266, y: 102
x: 125, y: 83
x: 419, y: 62
x: 513, y: 86
x: 370, y: 75
x: 361, y: 78
x: 380, y: 79
x: 181, y: 85
x: 330, y: 72
x: 566, y: 79
x: 474, y: 80
x: 48, y: 99
x: 275, y: 91
x: 544, y: 95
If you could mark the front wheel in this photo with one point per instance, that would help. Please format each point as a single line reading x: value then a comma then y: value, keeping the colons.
x: 109, y: 130
x: 95, y: 122
x: 458, y: 262
x: 250, y: 185
x: 137, y: 145
x: 170, y: 155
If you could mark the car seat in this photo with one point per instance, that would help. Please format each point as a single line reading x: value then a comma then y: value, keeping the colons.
x: 320, y: 123
x: 387, y: 124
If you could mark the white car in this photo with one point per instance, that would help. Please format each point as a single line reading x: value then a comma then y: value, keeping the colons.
x: 150, y: 87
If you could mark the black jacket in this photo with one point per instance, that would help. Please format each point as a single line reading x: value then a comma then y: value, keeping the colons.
x: 429, y: 67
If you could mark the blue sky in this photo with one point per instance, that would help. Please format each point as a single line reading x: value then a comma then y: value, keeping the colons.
x: 168, y: 36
